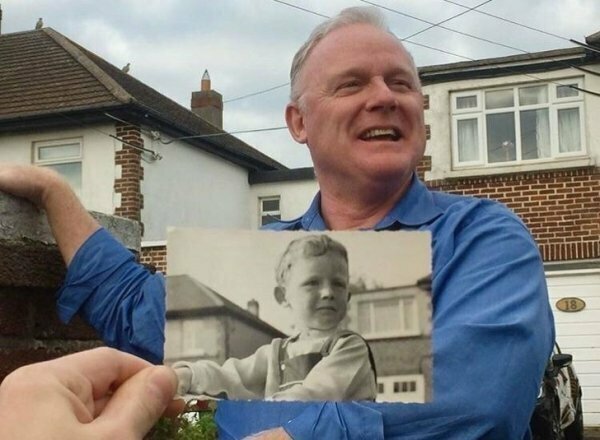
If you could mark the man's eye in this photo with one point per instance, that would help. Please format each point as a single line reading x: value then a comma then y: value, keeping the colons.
x: 348, y: 86
x: 399, y: 85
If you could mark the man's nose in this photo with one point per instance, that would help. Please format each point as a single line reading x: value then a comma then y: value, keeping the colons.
x: 381, y: 97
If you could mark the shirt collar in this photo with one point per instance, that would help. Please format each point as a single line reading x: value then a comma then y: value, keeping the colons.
x: 414, y: 209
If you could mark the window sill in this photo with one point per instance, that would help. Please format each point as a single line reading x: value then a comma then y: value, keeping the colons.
x: 554, y: 164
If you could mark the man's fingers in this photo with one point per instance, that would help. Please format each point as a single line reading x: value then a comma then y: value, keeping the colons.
x: 105, y: 369
x: 138, y: 403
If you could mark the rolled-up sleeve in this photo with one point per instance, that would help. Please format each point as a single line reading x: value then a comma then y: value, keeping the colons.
x: 120, y: 298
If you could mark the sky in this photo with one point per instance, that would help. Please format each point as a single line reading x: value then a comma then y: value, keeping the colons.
x: 247, y: 45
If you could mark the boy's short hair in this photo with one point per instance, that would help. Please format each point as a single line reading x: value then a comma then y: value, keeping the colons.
x: 308, y: 246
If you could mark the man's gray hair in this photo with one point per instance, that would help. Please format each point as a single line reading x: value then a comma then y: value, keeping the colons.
x: 355, y: 15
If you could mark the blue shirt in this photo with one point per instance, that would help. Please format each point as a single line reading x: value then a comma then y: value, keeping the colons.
x: 492, y: 327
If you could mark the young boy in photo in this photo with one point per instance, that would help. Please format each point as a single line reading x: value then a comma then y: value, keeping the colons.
x: 321, y: 361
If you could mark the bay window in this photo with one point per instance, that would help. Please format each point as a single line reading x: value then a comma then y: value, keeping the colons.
x: 521, y: 124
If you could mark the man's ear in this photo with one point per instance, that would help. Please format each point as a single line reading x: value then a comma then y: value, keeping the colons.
x: 279, y: 293
x: 295, y: 122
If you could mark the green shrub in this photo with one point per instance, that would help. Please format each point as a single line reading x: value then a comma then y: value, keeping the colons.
x: 195, y: 423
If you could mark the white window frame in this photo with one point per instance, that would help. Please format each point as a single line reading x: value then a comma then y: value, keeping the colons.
x: 371, y: 298
x: 262, y: 213
x: 37, y: 145
x: 479, y: 112
x: 388, y: 395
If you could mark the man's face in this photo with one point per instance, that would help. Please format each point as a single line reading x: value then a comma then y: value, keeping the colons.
x: 317, y: 291
x: 360, y: 111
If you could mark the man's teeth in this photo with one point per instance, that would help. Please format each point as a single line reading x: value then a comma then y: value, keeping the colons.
x: 378, y: 132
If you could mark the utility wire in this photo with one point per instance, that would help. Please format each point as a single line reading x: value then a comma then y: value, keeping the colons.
x: 509, y: 21
x: 446, y: 20
x: 587, y: 46
x: 224, y: 133
x: 302, y: 9
x: 257, y: 93
x: 154, y: 154
x: 157, y: 137
x: 476, y: 37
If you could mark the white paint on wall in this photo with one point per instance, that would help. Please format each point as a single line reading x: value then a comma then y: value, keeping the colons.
x: 295, y: 197
x: 439, y: 147
x: 578, y: 333
x: 98, y: 159
x: 190, y: 187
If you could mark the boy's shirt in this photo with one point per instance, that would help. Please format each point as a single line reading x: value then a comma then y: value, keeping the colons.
x: 280, y: 371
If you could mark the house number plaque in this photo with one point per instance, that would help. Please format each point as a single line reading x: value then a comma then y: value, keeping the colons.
x: 570, y: 304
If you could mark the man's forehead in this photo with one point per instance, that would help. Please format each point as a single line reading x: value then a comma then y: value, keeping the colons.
x: 331, y: 52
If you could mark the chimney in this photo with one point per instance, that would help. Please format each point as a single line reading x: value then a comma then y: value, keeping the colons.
x: 0, y: 19
x: 207, y: 103
x: 253, y: 307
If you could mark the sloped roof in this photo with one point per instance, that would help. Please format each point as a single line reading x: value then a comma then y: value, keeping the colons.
x: 43, y: 73
x: 514, y: 64
x: 189, y: 297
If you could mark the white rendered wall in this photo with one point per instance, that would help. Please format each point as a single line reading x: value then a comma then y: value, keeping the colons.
x: 295, y: 197
x: 191, y: 188
x: 98, y: 159
x: 439, y: 147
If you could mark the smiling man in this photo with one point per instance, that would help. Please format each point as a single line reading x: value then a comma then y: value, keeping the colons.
x: 356, y: 103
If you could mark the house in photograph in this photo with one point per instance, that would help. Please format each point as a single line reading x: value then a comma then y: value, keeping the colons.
x: 396, y: 322
x: 202, y: 324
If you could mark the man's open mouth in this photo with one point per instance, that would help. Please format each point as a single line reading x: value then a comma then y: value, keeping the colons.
x: 379, y: 134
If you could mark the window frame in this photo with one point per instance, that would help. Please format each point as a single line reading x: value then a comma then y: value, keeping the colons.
x: 66, y: 160
x: 372, y: 298
x: 272, y: 213
x: 480, y: 113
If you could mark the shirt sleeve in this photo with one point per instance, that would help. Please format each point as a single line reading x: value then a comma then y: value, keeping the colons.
x: 492, y: 335
x: 235, y: 379
x: 344, y: 374
x: 120, y: 298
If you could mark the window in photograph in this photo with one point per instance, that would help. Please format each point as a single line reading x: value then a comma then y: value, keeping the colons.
x: 269, y: 210
x: 64, y: 156
x: 402, y: 388
x: 388, y: 317
x: 516, y: 125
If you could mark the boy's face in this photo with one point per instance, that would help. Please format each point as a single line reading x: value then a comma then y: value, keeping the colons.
x: 317, y: 291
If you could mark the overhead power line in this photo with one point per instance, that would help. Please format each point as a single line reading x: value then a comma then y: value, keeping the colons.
x: 301, y: 8
x: 456, y: 31
x: 260, y: 92
x: 433, y: 25
x: 510, y: 21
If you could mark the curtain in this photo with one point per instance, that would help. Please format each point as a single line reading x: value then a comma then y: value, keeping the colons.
x: 468, y: 142
x: 569, y: 135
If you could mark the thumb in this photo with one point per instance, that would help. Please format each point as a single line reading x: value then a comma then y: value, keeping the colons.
x: 137, y: 404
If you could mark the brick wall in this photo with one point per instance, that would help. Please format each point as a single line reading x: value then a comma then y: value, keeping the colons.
x: 561, y: 208
x: 132, y: 173
x: 155, y: 256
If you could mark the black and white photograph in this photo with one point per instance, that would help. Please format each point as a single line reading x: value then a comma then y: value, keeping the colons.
x: 340, y: 316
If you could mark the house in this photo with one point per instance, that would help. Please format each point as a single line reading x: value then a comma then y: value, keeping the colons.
x: 522, y: 130
x: 202, y: 324
x: 396, y: 322
x: 118, y: 142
